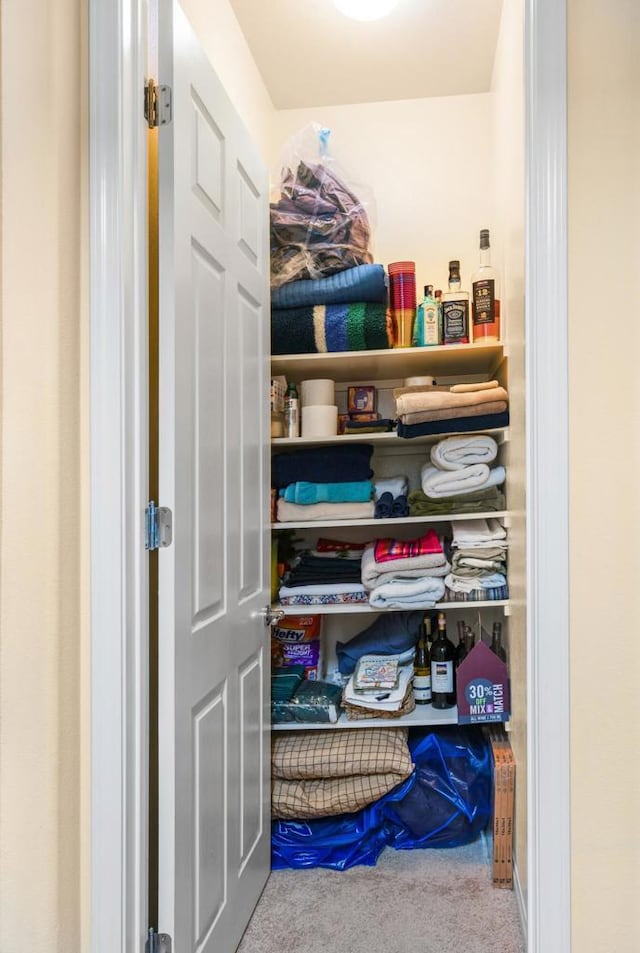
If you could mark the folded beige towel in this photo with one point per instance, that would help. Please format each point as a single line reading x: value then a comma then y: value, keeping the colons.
x: 297, y: 512
x: 477, y: 410
x: 414, y: 403
x: 471, y: 388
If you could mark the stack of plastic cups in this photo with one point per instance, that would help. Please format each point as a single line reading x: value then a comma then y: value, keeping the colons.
x: 402, y: 294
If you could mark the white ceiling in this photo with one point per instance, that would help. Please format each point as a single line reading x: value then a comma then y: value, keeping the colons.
x: 309, y: 54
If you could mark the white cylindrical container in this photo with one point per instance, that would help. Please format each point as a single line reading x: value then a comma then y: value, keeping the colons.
x: 317, y: 393
x: 425, y: 381
x: 319, y: 421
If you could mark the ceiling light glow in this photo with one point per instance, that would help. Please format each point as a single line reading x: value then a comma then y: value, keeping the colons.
x: 365, y: 9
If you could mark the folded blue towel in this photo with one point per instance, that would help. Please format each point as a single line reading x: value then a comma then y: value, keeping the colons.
x: 359, y: 491
x: 347, y: 462
x: 362, y: 283
x: 454, y: 425
x: 400, y: 507
x: 383, y: 506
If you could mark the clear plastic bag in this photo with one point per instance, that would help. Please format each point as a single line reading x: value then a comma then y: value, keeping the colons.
x: 320, y: 225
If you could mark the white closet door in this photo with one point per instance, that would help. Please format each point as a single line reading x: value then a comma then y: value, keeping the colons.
x: 214, y: 786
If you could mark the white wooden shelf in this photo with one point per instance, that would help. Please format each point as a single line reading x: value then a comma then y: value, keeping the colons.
x: 364, y: 607
x: 500, y: 434
x: 421, y: 715
x: 367, y: 366
x: 388, y: 523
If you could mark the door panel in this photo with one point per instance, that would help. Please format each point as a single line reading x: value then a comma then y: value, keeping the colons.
x: 213, y: 646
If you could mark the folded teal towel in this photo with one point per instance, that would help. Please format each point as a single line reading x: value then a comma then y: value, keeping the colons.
x: 358, y: 492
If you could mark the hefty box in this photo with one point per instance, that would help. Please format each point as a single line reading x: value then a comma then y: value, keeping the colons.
x: 297, y: 640
x: 482, y: 683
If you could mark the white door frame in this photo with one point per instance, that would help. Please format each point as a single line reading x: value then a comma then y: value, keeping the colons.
x: 118, y: 270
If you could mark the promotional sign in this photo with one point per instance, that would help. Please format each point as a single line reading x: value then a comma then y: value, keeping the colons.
x: 482, y: 687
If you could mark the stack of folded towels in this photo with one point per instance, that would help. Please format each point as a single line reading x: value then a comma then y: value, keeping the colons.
x: 479, y: 562
x: 330, y: 574
x: 405, y: 574
x: 430, y: 409
x: 346, y: 311
x: 324, y: 483
x: 459, y: 478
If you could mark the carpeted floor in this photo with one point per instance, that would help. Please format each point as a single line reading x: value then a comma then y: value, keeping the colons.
x: 421, y: 901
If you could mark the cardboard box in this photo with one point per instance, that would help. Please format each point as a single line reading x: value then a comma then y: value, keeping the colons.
x: 482, y: 683
x: 504, y: 779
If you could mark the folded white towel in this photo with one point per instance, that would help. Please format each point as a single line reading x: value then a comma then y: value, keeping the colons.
x: 373, y: 573
x: 453, y: 453
x: 477, y: 583
x: 478, y: 534
x: 396, y: 486
x: 420, y: 593
x: 437, y: 484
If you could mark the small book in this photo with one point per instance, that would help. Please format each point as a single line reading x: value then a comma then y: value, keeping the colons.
x: 376, y: 673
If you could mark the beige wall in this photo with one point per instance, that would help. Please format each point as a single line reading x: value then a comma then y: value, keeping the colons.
x: 508, y: 255
x: 604, y: 341
x: 44, y: 478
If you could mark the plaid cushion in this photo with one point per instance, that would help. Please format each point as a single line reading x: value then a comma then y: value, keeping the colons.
x: 320, y: 773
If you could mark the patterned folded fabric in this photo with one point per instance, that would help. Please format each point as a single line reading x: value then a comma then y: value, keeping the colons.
x: 321, y: 773
x: 358, y: 326
x: 387, y: 550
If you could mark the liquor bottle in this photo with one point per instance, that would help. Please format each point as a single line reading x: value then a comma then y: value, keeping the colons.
x: 461, y: 647
x: 422, y: 670
x: 430, y: 323
x: 496, y: 641
x: 443, y: 686
x: 291, y: 411
x: 485, y: 295
x: 455, y: 309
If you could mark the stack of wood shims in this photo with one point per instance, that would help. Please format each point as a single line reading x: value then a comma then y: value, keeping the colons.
x: 504, y: 782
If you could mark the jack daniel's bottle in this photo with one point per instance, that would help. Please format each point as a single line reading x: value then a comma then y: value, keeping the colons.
x: 455, y: 309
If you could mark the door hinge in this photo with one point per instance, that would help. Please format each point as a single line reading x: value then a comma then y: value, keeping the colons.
x: 158, y: 526
x: 157, y: 942
x: 157, y: 104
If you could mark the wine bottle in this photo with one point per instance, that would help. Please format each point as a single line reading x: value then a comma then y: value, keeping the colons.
x: 422, y: 670
x: 485, y: 296
x: 461, y: 647
x: 443, y: 686
x: 496, y: 641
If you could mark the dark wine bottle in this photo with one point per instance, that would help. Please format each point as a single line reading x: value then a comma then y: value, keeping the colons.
x: 496, y: 641
x: 443, y: 685
x: 422, y: 671
x: 461, y: 647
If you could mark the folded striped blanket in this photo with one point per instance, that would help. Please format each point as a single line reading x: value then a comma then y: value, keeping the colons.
x: 359, y: 326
